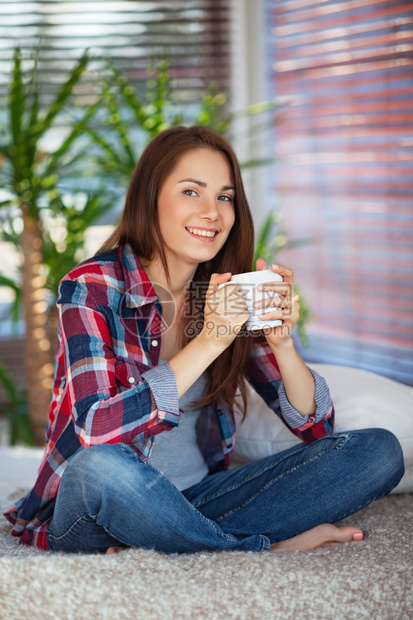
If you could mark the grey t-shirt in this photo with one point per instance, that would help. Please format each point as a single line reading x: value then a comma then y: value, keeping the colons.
x: 176, y: 453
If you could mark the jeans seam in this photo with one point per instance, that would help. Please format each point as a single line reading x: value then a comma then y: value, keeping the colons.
x: 266, y: 543
x: 361, y: 506
x: 286, y: 473
x: 264, y: 488
x: 49, y: 533
x: 209, y: 522
x: 257, y: 474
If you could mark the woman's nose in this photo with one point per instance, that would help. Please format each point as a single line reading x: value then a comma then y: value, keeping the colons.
x: 210, y: 210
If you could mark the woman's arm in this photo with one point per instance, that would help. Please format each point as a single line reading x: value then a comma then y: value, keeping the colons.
x: 264, y: 375
x: 223, y: 319
x: 296, y: 393
x: 110, y: 398
x: 297, y: 379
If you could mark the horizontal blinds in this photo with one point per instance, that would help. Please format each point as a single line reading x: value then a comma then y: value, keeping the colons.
x: 194, y: 35
x: 345, y: 176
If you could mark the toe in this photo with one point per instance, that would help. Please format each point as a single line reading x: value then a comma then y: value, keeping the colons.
x: 347, y: 534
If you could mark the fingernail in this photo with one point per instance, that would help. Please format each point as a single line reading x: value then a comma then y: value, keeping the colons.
x: 358, y: 536
x: 275, y: 266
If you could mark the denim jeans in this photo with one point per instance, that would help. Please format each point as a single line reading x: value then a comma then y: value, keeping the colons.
x: 108, y: 496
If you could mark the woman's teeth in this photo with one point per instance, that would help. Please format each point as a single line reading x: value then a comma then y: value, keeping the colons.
x: 201, y: 233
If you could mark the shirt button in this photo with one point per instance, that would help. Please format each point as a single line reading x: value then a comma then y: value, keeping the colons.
x: 131, y: 379
x: 154, y: 343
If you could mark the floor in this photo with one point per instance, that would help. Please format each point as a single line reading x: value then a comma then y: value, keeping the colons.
x: 18, y: 469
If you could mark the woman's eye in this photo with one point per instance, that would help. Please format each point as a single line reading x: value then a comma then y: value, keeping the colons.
x: 190, y: 192
x: 225, y: 198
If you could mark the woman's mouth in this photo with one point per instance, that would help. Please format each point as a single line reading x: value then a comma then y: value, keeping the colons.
x: 203, y: 234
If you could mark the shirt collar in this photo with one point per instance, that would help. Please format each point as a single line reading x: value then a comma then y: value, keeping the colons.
x: 138, y: 288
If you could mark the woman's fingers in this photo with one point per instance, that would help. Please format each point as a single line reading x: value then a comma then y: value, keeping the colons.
x: 260, y: 264
x: 225, y: 309
x: 284, y: 298
x: 286, y: 273
x: 216, y: 279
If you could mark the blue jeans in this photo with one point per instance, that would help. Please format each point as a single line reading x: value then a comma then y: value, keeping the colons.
x: 108, y: 496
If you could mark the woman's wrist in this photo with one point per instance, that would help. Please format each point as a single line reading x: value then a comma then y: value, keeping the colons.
x: 283, y: 346
x: 211, y: 344
x: 193, y: 360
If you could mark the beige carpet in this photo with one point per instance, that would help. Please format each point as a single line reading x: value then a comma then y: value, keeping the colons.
x: 372, y: 579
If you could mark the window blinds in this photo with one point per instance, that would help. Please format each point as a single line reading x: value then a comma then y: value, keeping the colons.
x: 193, y: 34
x: 346, y: 173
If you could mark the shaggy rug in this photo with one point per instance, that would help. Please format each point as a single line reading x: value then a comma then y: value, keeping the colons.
x: 371, y: 579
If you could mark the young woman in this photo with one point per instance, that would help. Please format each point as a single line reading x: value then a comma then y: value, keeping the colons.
x: 141, y: 427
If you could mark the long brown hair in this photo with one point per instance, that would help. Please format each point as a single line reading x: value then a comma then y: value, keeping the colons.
x: 139, y: 227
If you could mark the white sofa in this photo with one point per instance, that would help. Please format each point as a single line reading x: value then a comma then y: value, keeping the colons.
x: 361, y: 399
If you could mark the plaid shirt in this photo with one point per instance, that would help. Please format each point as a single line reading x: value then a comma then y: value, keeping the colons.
x: 109, y: 388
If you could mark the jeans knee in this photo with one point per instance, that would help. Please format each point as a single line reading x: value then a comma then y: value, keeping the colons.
x: 393, y: 453
x: 90, y: 467
x: 93, y: 458
x: 385, y: 453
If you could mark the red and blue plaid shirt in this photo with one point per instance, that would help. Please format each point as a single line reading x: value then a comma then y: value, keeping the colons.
x: 109, y: 388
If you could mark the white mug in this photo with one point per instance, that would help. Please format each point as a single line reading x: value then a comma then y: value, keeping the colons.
x: 247, y: 283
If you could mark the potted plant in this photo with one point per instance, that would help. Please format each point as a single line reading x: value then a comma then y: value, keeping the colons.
x: 30, y: 177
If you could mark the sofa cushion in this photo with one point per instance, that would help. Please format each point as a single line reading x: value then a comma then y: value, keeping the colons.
x: 361, y: 399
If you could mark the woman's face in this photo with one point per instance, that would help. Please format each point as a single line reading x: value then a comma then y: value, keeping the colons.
x: 196, y: 207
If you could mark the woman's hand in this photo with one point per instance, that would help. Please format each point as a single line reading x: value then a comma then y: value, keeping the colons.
x: 225, y: 311
x: 282, y: 305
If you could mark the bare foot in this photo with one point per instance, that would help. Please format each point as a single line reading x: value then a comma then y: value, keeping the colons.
x: 114, y: 550
x: 321, y: 536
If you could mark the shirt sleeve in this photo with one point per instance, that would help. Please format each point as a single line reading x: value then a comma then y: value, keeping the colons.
x: 162, y: 382
x: 322, y: 400
x: 109, y: 399
x: 265, y: 377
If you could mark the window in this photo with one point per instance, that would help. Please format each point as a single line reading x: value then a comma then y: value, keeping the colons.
x: 346, y: 173
x: 133, y: 33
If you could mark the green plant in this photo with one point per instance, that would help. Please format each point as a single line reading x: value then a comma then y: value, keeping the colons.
x: 16, y: 411
x: 16, y: 305
x: 129, y: 121
x: 31, y: 179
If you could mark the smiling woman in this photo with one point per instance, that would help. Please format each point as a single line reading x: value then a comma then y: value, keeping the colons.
x: 141, y: 427
x: 201, y: 209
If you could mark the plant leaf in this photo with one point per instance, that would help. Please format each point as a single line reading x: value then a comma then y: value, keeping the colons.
x: 8, y: 385
x: 78, y: 128
x: 258, y: 108
x: 255, y: 163
x: 63, y: 95
x: 17, y: 302
x: 130, y: 96
x: 16, y: 101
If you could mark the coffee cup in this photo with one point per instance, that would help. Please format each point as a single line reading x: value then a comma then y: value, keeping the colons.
x: 247, y: 283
